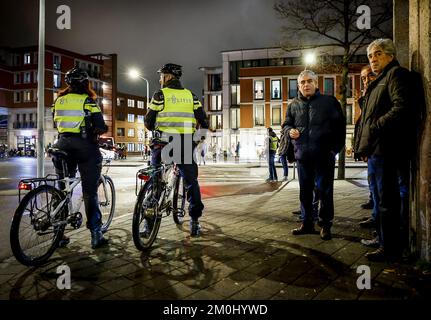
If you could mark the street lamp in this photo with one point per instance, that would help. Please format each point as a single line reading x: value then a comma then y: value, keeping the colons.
x: 134, y: 74
x: 309, y: 59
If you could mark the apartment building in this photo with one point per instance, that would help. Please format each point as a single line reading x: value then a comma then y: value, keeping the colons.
x: 258, y: 85
x: 129, y: 129
x: 18, y: 89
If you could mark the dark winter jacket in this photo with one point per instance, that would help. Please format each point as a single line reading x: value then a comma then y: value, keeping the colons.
x: 385, y: 119
x: 321, y: 124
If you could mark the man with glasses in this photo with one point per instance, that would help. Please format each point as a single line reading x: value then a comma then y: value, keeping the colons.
x: 317, y: 127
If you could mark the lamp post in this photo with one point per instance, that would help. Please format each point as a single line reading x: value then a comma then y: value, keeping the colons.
x: 41, y: 93
x: 134, y: 74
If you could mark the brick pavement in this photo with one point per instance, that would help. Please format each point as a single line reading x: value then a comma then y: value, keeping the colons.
x: 246, y: 252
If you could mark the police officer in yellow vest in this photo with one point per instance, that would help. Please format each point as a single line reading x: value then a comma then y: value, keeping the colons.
x: 79, y: 121
x: 175, y: 112
x: 272, y: 146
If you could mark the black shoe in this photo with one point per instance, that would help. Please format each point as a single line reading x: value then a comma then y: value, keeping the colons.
x: 377, y: 256
x: 63, y: 242
x: 97, y: 239
x: 296, y: 212
x: 368, y: 205
x: 373, y: 243
x: 325, y: 233
x: 303, y: 229
x: 195, y: 228
x: 369, y: 223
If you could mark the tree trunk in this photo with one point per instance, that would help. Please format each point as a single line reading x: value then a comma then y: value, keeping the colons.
x: 343, y: 102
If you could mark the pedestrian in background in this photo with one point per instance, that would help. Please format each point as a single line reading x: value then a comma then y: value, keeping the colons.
x: 271, y: 143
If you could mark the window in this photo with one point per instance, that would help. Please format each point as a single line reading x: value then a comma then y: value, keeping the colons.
x: 140, y: 119
x: 349, y: 116
x: 131, y: 132
x: 234, y: 118
x: 57, y: 80
x: 35, y: 57
x: 17, y: 96
x: 131, y: 147
x: 57, y: 62
x: 328, y: 86
x: 120, y: 116
x: 17, y: 78
x: 27, y: 96
x: 17, y: 60
x: 140, y: 147
x: 215, y: 122
x: 130, y: 117
x: 35, y: 95
x: 276, y: 89
x: 293, y: 88
x: 120, y: 132
x: 235, y: 95
x: 258, y: 89
x: 214, y: 82
x: 27, y: 77
x: 118, y: 102
x: 27, y: 58
x: 140, y: 104
x: 35, y: 76
x: 215, y: 103
x: 259, y: 115
x: 131, y: 103
x: 276, y: 115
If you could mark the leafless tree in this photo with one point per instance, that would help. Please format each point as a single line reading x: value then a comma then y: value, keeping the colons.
x: 311, y: 24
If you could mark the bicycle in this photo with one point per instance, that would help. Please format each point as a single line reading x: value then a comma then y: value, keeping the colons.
x: 162, y: 193
x: 46, y: 209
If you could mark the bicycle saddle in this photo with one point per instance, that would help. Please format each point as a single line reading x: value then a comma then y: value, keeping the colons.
x: 57, y: 152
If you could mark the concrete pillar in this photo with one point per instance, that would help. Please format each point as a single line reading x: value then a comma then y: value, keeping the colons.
x: 401, y: 31
x: 419, y: 61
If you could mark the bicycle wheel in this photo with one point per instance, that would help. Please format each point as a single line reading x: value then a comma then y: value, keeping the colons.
x: 34, y: 234
x: 179, y: 201
x: 146, y: 217
x: 106, y: 196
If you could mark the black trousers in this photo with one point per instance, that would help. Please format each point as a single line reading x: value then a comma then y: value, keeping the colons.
x: 317, y: 175
x: 85, y: 155
x: 189, y: 172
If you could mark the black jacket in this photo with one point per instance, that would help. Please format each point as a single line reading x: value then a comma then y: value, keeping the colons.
x: 386, y: 119
x: 150, y: 117
x: 321, y: 124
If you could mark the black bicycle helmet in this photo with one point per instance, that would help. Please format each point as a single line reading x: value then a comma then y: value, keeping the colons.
x: 76, y: 77
x: 173, y: 69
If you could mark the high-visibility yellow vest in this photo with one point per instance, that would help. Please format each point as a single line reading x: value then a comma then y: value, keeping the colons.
x: 273, y: 145
x: 69, y: 112
x: 176, y: 115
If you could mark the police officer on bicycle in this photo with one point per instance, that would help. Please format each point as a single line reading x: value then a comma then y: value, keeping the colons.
x: 79, y: 121
x: 174, y: 112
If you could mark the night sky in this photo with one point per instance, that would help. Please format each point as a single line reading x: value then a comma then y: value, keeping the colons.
x: 146, y: 34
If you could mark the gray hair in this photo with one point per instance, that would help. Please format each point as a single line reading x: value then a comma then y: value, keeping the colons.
x: 309, y: 73
x: 387, y: 46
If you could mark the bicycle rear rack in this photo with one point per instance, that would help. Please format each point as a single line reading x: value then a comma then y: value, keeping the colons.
x: 33, y: 183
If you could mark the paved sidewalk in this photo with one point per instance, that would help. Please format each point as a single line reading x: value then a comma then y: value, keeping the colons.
x: 246, y: 252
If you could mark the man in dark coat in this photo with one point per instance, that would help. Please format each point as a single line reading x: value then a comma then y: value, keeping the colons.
x: 383, y: 139
x: 317, y: 127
